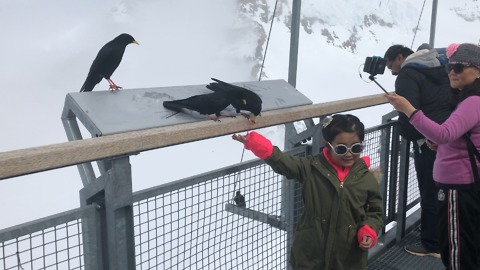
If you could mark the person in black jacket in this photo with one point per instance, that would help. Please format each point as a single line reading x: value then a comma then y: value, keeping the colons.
x: 423, y: 81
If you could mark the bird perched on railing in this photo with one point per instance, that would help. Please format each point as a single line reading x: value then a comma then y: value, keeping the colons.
x: 245, y: 99
x: 239, y: 199
x: 107, y: 60
x: 207, y: 104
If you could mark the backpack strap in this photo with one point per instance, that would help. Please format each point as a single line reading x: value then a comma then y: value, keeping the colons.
x: 472, y: 153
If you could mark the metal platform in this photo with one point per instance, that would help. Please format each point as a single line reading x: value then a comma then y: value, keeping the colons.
x: 112, y: 112
x: 396, y: 258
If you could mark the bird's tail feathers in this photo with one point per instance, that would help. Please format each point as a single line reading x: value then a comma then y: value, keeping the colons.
x: 216, y: 87
x: 219, y: 81
x: 221, y: 86
x: 224, y: 86
x: 87, y: 86
x: 175, y: 105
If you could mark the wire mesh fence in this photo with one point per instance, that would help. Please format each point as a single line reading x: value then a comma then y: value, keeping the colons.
x: 200, y: 226
x: 238, y: 217
x: 52, y: 243
x: 379, y: 146
x: 196, y: 224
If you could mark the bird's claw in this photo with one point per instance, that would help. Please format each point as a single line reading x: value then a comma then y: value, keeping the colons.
x: 251, y: 118
x: 215, y: 119
x: 245, y: 115
x: 115, y: 87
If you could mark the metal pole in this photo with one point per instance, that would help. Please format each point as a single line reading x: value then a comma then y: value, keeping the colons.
x: 70, y: 125
x: 402, y: 189
x: 112, y: 193
x: 119, y: 215
x: 295, y: 31
x: 289, y: 187
x: 433, y: 22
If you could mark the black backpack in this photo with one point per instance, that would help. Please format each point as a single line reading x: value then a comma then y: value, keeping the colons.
x: 472, y: 153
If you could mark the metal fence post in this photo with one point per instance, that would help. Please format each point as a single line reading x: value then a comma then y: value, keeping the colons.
x: 92, y: 241
x: 390, y: 160
x: 112, y: 192
x: 289, y: 196
x: 433, y: 23
x: 294, y: 37
x: 119, y: 215
x: 288, y: 192
x: 384, y: 165
x: 402, y: 188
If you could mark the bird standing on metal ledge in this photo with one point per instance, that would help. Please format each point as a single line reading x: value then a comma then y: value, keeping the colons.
x: 245, y: 99
x: 107, y: 60
x: 239, y: 200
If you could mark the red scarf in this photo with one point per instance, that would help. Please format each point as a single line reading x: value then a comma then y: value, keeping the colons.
x: 341, y: 171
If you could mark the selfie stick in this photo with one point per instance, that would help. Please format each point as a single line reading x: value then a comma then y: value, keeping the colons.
x: 371, y: 77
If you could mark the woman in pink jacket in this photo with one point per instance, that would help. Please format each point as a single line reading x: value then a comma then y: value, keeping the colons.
x: 459, y: 195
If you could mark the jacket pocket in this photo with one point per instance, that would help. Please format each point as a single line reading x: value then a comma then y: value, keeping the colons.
x: 348, y: 248
x: 307, y: 249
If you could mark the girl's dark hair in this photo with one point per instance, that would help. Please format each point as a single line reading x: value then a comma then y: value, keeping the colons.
x: 395, y: 50
x: 343, y: 123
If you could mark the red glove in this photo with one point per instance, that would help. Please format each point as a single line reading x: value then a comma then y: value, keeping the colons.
x: 259, y: 145
x: 365, y: 230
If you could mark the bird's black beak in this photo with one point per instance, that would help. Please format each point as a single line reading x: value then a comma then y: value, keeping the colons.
x: 253, y: 118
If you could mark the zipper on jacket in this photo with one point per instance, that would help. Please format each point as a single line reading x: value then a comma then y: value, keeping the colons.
x: 341, y: 184
x: 350, y: 228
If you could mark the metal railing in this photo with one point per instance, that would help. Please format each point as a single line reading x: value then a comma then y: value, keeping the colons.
x: 61, y: 241
x: 194, y: 223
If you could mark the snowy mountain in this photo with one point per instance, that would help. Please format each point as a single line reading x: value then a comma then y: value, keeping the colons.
x: 354, y: 26
x: 51, y: 44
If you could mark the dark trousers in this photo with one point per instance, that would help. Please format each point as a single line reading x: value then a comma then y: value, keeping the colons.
x: 459, y: 214
x: 424, y: 159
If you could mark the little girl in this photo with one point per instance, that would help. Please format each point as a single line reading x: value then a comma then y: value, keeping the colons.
x: 343, y: 206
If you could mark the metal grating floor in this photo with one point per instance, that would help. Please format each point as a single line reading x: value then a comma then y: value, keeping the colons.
x: 396, y: 258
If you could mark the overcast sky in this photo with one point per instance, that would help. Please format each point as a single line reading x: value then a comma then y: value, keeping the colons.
x: 47, y: 48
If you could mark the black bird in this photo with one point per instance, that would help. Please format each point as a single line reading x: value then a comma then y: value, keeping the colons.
x: 245, y: 99
x: 239, y: 200
x: 211, y: 103
x: 107, y: 60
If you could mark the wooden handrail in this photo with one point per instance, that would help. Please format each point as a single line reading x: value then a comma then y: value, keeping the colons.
x: 43, y: 158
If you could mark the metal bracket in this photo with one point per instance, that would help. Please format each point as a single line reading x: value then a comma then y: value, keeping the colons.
x: 272, y: 220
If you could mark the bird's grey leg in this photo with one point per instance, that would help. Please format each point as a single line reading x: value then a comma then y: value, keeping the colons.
x: 216, y: 119
x: 245, y: 115
x: 227, y: 116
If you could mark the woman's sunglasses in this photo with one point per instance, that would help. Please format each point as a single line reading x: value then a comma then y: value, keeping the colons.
x: 457, y: 67
x: 341, y: 149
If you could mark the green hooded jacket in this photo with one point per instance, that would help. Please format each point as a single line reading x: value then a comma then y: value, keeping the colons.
x: 326, y: 235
